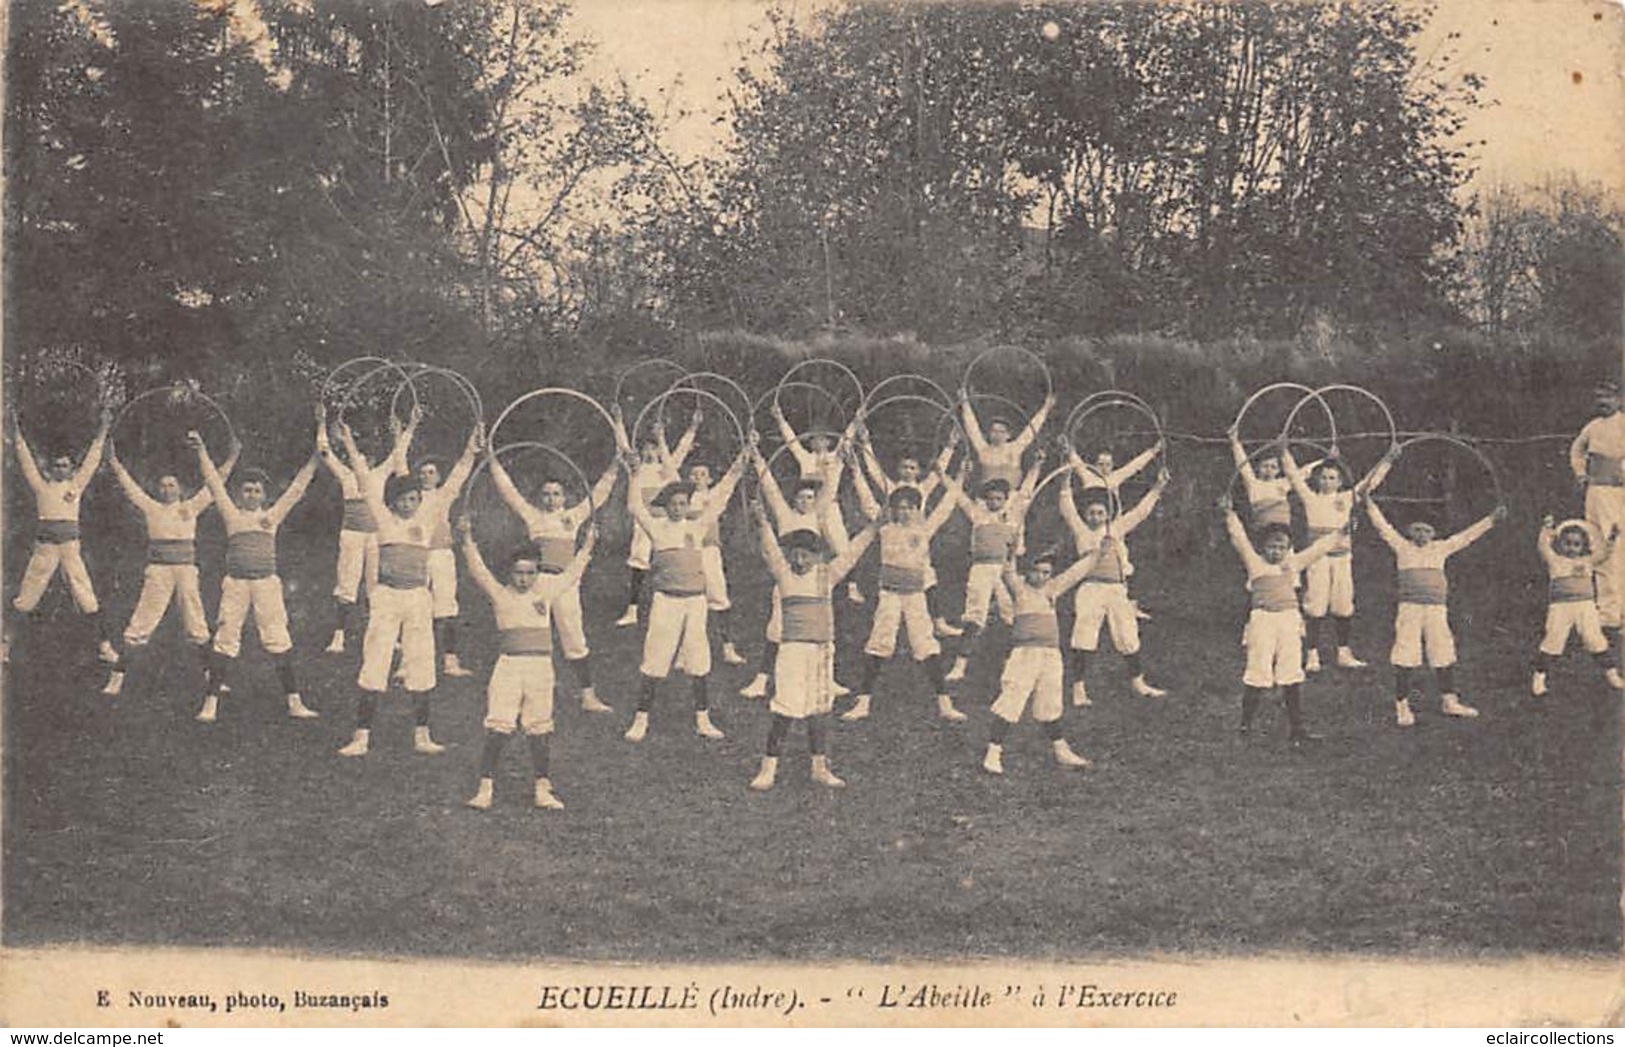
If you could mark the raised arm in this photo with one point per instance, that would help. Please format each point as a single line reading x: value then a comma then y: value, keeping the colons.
x: 1134, y: 466
x: 866, y: 498
x: 1389, y: 533
x: 872, y: 467
x: 605, y: 487
x: 576, y: 568
x: 1468, y: 535
x: 211, y: 476
x: 1605, y: 553
x: 772, y: 555
x: 1318, y: 548
x: 477, y: 569
x: 769, y: 486
x: 1238, y: 454
x: 940, y: 467
x: 954, y: 494
x: 804, y: 458
x: 842, y: 565
x: 1141, y: 512
x: 464, y: 467
x: 1294, y: 475
x: 717, y: 504
x: 1239, y: 541
x: 358, y: 461
x: 1034, y: 426
x: 1059, y: 585
x: 1069, y: 506
x: 93, y: 454
x: 973, y: 427
x: 510, y: 493
x: 685, y: 443
x: 25, y: 460
x: 637, y: 506
x: 1543, y: 541
x: 396, y: 463
x: 296, y: 489
x: 132, y: 490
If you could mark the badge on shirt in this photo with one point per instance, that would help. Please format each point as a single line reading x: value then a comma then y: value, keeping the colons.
x: 688, y: 540
x: 70, y: 495
x: 914, y: 541
x: 183, y: 514
x: 265, y: 523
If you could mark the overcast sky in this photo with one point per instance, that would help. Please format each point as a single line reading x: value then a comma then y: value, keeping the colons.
x: 1555, y: 69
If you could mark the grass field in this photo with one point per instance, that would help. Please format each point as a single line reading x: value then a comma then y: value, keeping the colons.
x: 128, y: 823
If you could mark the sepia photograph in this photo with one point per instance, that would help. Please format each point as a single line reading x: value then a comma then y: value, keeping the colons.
x: 813, y: 512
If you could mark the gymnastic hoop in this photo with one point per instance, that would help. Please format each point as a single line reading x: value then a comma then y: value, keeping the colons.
x: 551, y: 390
x: 845, y: 371
x: 654, y: 362
x: 1453, y: 441
x: 727, y: 412
x: 174, y: 394
x: 483, y: 468
x: 359, y: 383
x: 1320, y: 395
x: 470, y: 395
x: 984, y: 355
x: 875, y: 396
x: 1259, y: 394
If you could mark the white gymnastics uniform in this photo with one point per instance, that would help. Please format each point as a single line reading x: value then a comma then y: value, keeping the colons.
x: 402, y: 607
x: 171, y: 571
x: 1598, y: 454
x: 251, y: 583
x: 520, y: 691
x: 905, y: 557
x: 993, y: 537
x: 1573, y: 606
x: 676, y: 636
x: 647, y: 481
x: 1329, y: 584
x: 804, y: 669
x: 716, y: 579
x: 358, y: 537
x: 555, y: 534
x: 1422, y: 621
x: 56, y: 539
x: 1102, y: 598
x: 1033, y: 671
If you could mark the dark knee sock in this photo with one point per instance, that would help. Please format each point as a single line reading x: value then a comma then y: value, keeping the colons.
x: 1404, y: 682
x: 217, y: 678
x: 582, y: 667
x: 1311, y: 632
x: 816, y: 731
x: 635, y: 594
x: 722, y: 622
x: 490, y: 752
x: 100, y: 622
x: 646, y: 694
x: 937, y: 674
x: 285, y: 673
x: 702, y: 693
x: 1345, y: 629
x: 1292, y: 698
x: 931, y: 603
x: 365, y: 710
x: 1447, y: 679
x: 1080, y: 662
x: 341, y: 615
x: 541, y: 753
x: 1605, y: 659
x: 775, y: 734
x: 997, y: 732
x: 770, y: 656
x: 1543, y: 662
x: 1135, y: 666
x: 206, y: 663
x: 871, y: 673
x: 420, y: 709
x: 447, y: 642
x: 1251, y: 699
x: 1052, y: 730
